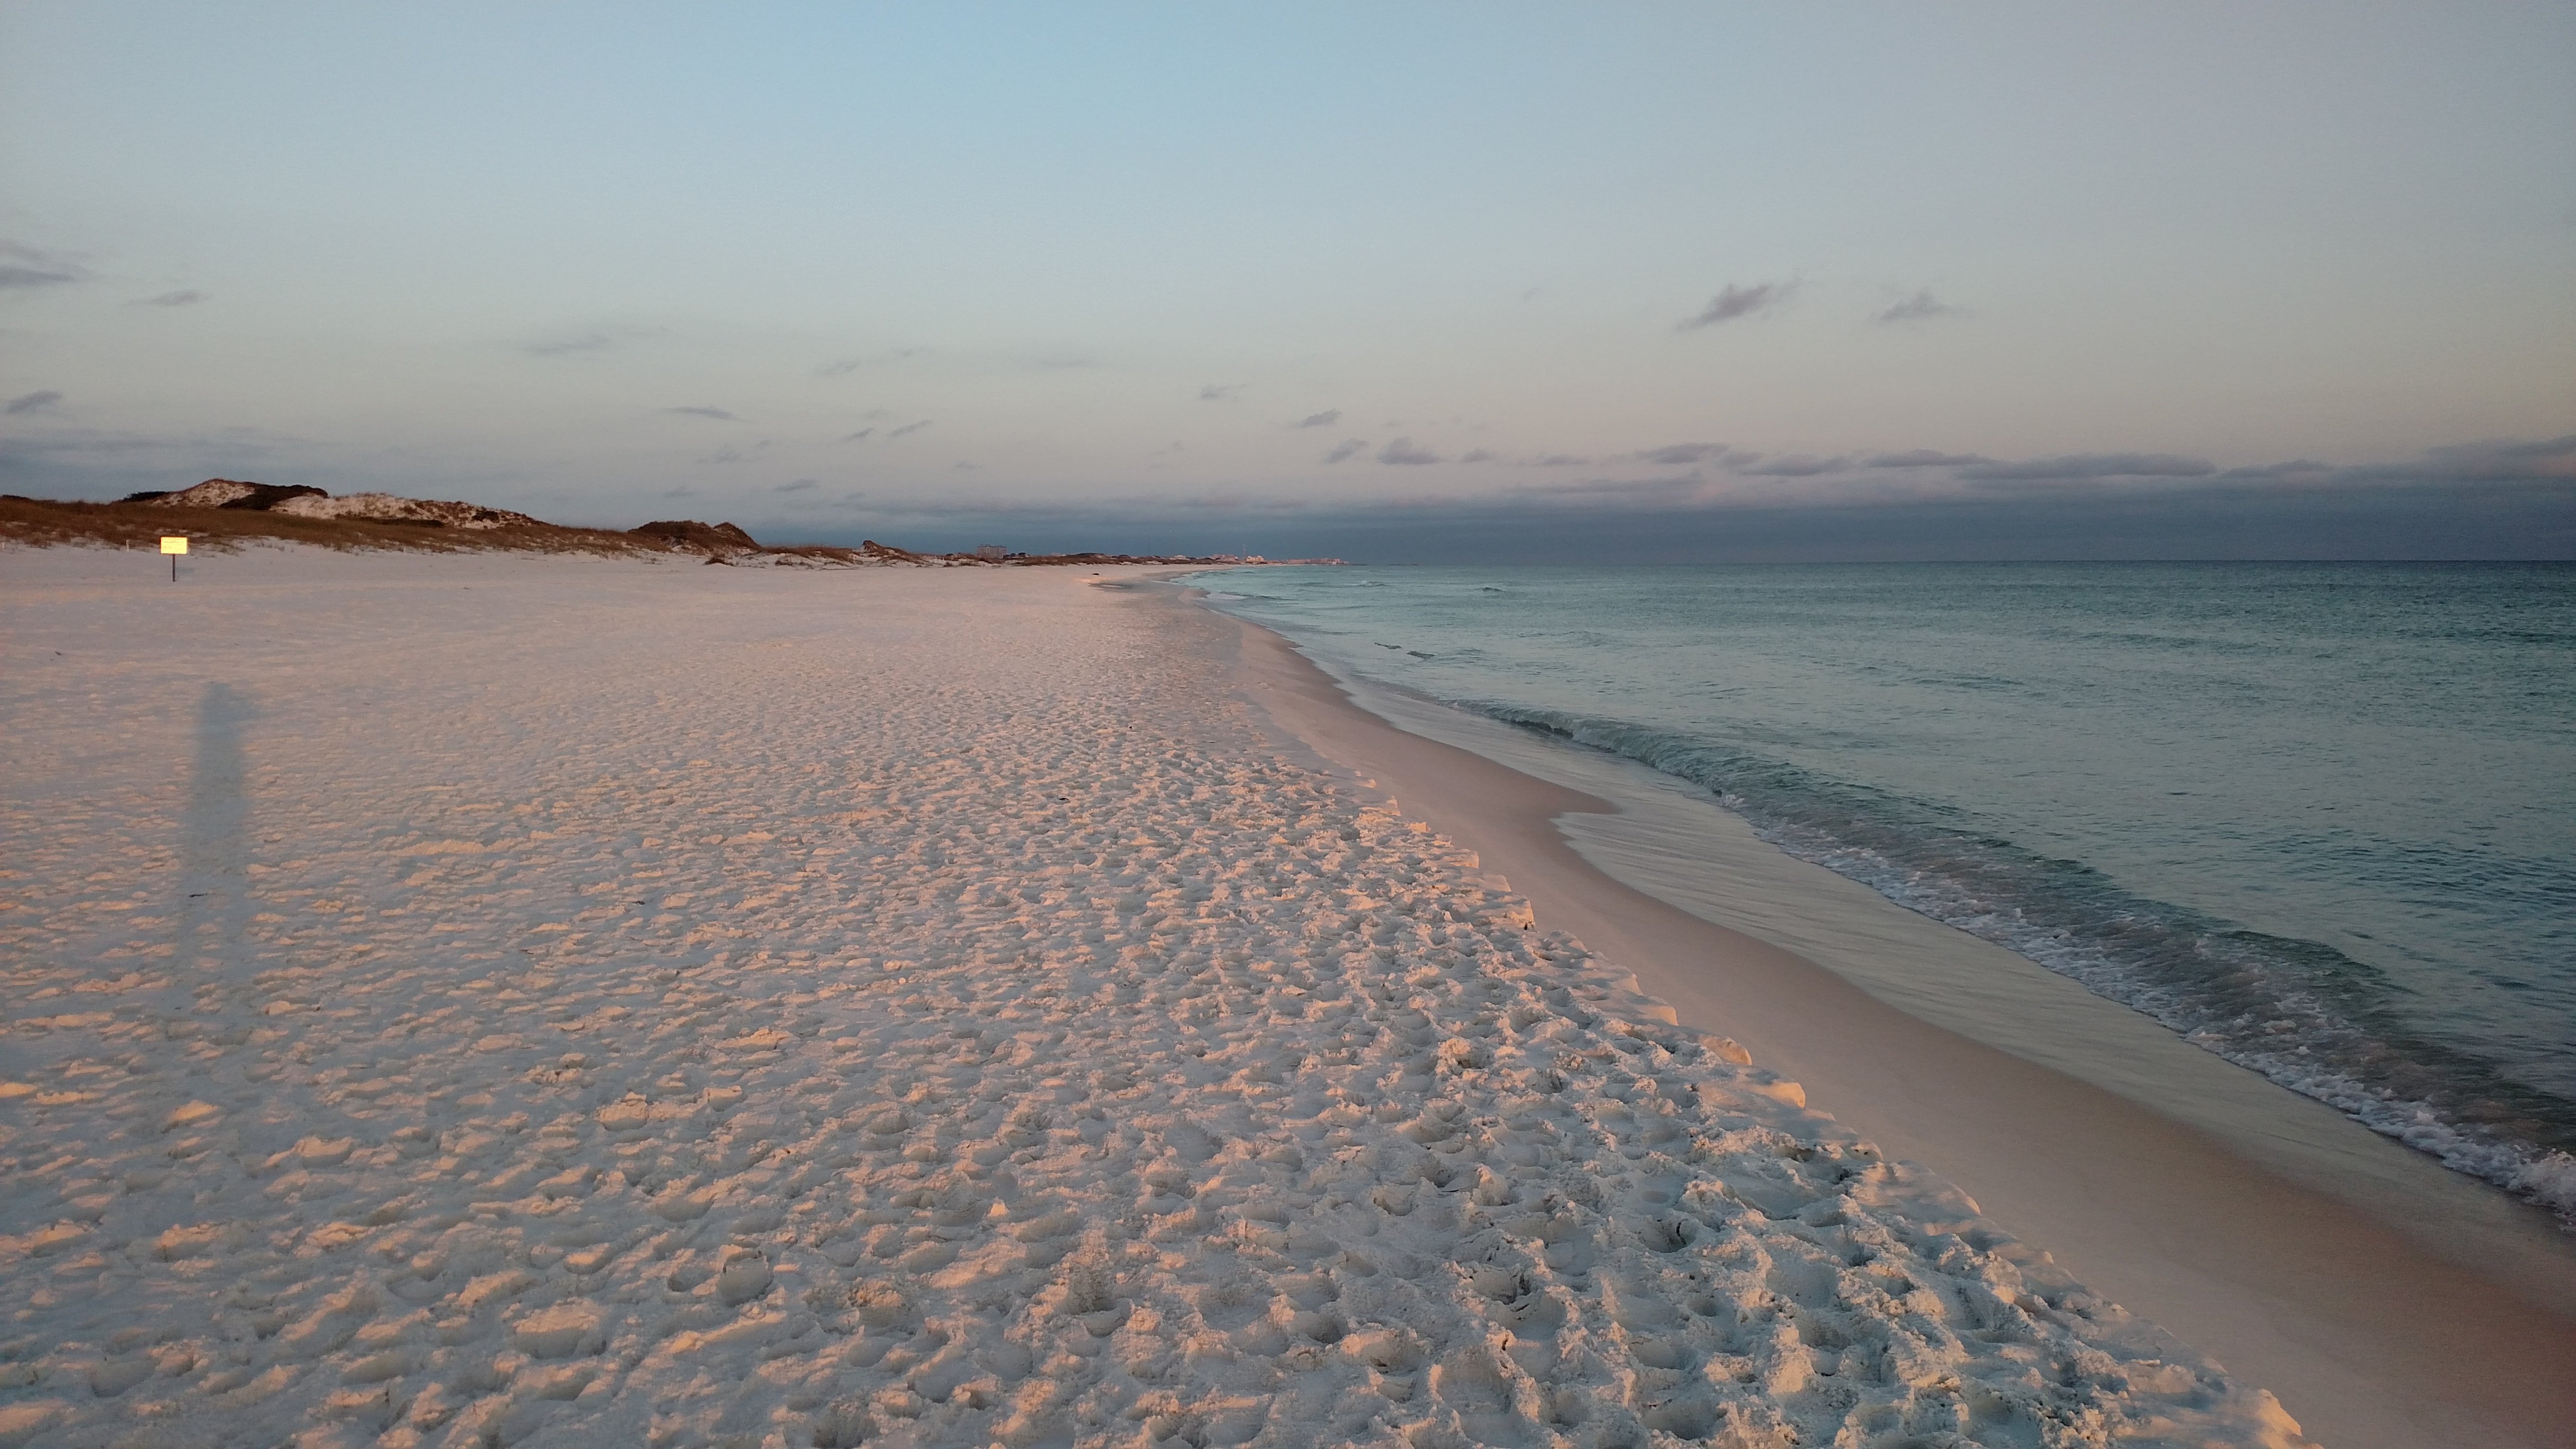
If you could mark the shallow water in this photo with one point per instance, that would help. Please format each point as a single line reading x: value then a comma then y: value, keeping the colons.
x: 2319, y: 818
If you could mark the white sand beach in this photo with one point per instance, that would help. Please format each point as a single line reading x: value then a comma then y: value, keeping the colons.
x: 480, y: 999
x: 2390, y: 1303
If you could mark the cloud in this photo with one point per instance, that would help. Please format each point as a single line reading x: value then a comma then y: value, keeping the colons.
x: 843, y: 367
x: 1920, y: 307
x: 24, y: 267
x: 1347, y: 448
x: 2529, y: 520
x: 592, y: 341
x: 1665, y: 487
x: 2302, y: 470
x: 1559, y: 460
x: 1403, y: 452
x: 1735, y: 302
x: 2077, y: 467
x: 1480, y: 455
x: 801, y: 485
x: 1942, y: 474
x: 189, y: 298
x: 33, y: 402
x: 1677, y: 454
x: 2501, y: 462
x: 719, y: 414
x: 566, y: 346
x: 2429, y: 507
x: 1220, y: 391
x: 63, y: 460
x: 1323, y: 419
x: 857, y: 436
x: 728, y: 453
x: 1927, y: 458
x: 908, y: 428
x: 1795, y: 465
x: 2541, y: 461
x: 176, y: 448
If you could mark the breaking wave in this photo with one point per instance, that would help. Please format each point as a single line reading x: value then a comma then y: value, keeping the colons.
x: 2300, y: 1012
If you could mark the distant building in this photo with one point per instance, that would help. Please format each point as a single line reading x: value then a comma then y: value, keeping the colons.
x: 992, y: 553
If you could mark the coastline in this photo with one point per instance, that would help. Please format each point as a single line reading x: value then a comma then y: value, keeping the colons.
x: 2373, y: 1332
x: 469, y: 999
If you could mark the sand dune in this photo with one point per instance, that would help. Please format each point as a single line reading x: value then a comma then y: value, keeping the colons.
x: 479, y: 999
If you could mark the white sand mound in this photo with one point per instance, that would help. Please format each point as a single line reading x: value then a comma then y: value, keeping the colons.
x: 388, y: 506
x: 213, y: 493
x: 573, y: 1002
x: 220, y: 492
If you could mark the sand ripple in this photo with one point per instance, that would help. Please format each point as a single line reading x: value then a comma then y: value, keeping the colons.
x: 616, y: 1005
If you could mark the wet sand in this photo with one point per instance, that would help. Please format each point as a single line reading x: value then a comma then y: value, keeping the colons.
x: 2372, y: 1331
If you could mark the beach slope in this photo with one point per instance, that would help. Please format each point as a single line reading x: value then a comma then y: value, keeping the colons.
x: 2391, y: 1307
x: 478, y: 999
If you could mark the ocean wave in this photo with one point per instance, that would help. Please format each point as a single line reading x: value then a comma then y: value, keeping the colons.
x: 2302, y: 1013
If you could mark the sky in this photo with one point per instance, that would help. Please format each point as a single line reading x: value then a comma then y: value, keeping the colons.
x: 1386, y: 281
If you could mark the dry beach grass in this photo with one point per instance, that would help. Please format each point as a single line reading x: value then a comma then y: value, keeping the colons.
x: 141, y: 521
x: 44, y: 522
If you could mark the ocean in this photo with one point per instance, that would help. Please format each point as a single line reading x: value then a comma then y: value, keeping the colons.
x: 2320, y: 819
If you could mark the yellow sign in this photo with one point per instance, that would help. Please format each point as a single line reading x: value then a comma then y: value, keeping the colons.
x: 173, y: 545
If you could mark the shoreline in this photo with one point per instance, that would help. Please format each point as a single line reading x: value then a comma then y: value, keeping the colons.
x: 514, y: 999
x: 2368, y: 1332
x: 1670, y: 839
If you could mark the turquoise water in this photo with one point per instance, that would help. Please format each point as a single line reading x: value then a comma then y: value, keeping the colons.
x: 2320, y: 819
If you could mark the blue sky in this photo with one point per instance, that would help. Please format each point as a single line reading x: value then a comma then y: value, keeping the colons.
x: 931, y: 272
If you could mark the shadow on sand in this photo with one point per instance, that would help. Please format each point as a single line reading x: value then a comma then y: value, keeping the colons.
x: 214, y: 850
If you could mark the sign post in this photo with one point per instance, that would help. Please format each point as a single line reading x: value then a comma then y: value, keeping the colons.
x: 174, y: 545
